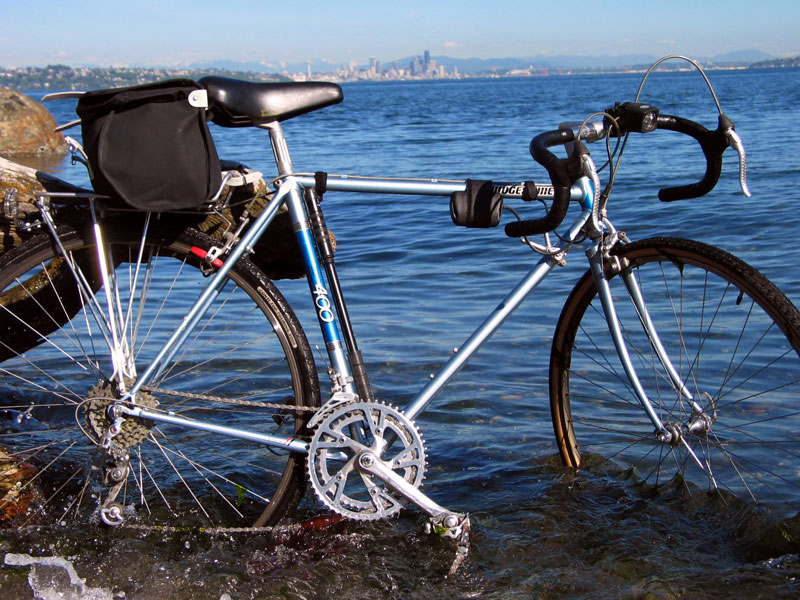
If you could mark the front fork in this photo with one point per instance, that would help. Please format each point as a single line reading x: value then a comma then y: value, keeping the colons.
x: 668, y: 433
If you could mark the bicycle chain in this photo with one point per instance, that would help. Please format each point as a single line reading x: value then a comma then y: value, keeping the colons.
x: 179, y: 529
x: 204, y: 530
x: 220, y: 399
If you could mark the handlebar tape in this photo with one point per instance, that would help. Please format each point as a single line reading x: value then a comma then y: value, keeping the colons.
x: 713, y: 144
x: 563, y: 173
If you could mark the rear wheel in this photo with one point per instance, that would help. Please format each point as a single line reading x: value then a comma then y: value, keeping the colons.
x: 734, y: 340
x: 247, y: 365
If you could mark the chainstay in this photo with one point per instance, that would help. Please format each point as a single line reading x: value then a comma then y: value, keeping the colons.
x: 222, y: 400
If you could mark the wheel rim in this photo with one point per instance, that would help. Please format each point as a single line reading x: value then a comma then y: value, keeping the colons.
x: 49, y: 397
x: 737, y: 363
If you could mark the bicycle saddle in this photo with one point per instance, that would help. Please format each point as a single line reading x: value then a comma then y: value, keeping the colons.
x: 237, y: 103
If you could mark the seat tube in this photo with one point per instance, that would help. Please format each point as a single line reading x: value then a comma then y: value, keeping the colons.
x: 323, y: 305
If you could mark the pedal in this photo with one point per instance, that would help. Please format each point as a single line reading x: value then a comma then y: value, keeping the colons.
x: 453, y: 526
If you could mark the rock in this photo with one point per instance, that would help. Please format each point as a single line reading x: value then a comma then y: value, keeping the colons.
x: 16, y: 489
x: 26, y: 127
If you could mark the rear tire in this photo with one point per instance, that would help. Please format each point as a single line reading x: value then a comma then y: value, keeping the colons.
x: 58, y: 378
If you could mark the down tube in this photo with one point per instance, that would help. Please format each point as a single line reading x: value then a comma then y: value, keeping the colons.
x: 488, y: 328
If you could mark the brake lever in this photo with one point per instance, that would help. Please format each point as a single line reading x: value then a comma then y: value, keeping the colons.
x: 736, y: 142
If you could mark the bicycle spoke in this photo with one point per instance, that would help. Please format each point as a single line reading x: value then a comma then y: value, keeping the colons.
x: 722, y: 325
x: 80, y: 360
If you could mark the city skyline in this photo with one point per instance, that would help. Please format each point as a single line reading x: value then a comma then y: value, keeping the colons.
x: 425, y: 66
x: 180, y: 32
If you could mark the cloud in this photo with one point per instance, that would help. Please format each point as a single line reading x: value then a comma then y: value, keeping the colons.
x: 452, y: 44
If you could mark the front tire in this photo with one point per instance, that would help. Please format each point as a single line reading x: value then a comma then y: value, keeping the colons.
x: 734, y: 339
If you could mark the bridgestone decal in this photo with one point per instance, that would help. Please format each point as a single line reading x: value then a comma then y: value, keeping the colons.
x: 515, y: 190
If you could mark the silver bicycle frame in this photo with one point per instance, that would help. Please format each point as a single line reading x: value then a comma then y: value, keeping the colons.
x: 290, y: 193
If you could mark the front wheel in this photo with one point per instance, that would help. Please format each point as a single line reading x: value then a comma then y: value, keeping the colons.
x: 246, y: 365
x: 734, y: 340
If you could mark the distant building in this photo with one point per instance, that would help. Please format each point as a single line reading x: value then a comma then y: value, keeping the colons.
x: 415, y: 67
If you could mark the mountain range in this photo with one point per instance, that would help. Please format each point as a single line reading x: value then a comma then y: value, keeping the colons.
x: 480, y: 65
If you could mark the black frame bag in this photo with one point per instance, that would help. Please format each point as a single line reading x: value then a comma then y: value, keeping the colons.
x: 149, y: 145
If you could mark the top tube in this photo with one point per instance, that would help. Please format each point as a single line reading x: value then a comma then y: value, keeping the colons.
x: 421, y: 187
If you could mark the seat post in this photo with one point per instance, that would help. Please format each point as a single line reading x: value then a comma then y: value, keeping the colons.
x: 280, y: 150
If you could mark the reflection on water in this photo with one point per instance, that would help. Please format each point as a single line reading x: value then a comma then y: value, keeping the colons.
x: 548, y: 534
x: 47, y: 163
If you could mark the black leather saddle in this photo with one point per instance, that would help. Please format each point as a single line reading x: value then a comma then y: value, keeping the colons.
x: 237, y: 103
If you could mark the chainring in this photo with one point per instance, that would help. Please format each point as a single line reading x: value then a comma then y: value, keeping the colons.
x: 346, y: 432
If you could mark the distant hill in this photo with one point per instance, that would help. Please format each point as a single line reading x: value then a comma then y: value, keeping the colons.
x: 485, y: 65
x: 63, y: 77
x: 778, y: 63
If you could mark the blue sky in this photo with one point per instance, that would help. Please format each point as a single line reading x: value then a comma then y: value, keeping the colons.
x: 174, y: 32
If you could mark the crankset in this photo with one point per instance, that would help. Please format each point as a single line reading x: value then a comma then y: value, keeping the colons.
x: 350, y: 447
x: 367, y: 460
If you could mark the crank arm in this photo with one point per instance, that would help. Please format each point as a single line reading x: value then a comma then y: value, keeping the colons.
x: 370, y: 464
x: 445, y: 523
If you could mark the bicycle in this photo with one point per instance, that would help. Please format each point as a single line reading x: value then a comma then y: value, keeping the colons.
x: 670, y: 356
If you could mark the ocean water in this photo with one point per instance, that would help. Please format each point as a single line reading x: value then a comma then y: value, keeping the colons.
x: 417, y: 286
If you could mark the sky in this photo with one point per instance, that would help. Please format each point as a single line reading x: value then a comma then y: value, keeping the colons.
x: 180, y: 32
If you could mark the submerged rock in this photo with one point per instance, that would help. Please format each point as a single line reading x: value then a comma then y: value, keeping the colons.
x: 16, y: 491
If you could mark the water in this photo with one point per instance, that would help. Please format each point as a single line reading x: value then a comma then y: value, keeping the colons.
x: 417, y: 286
